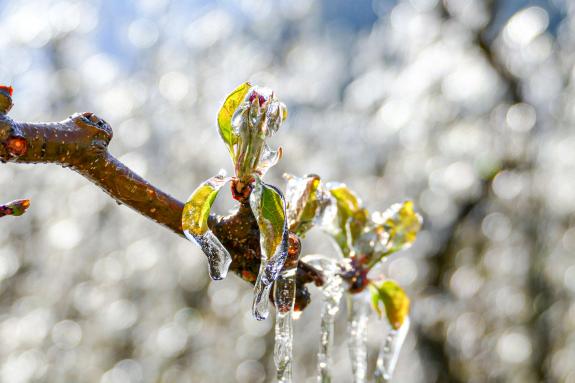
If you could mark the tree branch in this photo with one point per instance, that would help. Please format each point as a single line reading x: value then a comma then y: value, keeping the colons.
x: 80, y: 142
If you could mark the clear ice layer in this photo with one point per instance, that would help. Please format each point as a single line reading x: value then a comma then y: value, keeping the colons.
x: 260, y: 306
x: 389, y: 352
x: 284, y: 299
x: 271, y: 264
x: 332, y: 292
x: 219, y: 258
x: 357, y: 335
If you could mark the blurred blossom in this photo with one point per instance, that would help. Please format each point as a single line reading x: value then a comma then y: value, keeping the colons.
x: 66, y: 334
x: 24, y: 367
x: 514, y: 347
x: 143, y: 33
x: 120, y: 315
x: 125, y: 371
x: 99, y: 70
x: 465, y: 282
x: 507, y: 185
x: 526, y: 24
x: 65, y: 234
x: 133, y: 132
x: 174, y: 86
x: 171, y: 340
x: 208, y: 29
x: 496, y: 226
x: 9, y: 263
x: 403, y: 270
x: 250, y: 371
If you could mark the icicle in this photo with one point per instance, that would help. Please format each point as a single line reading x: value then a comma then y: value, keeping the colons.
x: 332, y: 292
x: 389, y: 352
x: 283, y: 347
x: 284, y: 294
x: 219, y: 259
x: 260, y: 306
x: 357, y: 335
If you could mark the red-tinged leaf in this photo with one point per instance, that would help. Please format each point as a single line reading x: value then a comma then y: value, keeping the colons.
x: 394, y: 300
x: 7, y: 89
x: 15, y: 208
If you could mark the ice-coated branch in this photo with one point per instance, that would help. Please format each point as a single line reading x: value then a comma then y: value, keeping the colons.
x: 80, y: 142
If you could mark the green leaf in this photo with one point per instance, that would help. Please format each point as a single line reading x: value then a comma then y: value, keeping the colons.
x: 303, y: 202
x: 268, y: 206
x: 402, y: 224
x: 351, y: 217
x: 226, y: 112
x: 346, y: 199
x: 394, y: 300
x: 197, y: 208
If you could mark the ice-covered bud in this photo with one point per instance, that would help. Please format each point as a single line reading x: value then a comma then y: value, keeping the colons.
x: 265, y: 113
x: 249, y: 115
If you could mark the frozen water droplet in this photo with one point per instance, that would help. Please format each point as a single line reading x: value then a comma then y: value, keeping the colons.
x: 219, y: 258
x: 389, y: 352
x: 260, y: 306
x: 357, y: 335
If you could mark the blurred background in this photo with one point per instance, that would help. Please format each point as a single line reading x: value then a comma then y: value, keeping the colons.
x: 464, y: 106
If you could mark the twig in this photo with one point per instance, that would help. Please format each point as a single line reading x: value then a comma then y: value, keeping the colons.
x: 80, y: 143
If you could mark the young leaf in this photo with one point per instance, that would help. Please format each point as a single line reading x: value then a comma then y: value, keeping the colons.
x: 402, y: 224
x: 394, y: 300
x: 268, y: 206
x: 302, y: 201
x: 351, y: 217
x: 346, y: 199
x: 226, y: 112
x: 197, y: 208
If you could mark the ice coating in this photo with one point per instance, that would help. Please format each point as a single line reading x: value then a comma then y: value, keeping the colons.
x: 400, y: 224
x: 219, y: 259
x: 284, y: 299
x: 195, y: 227
x: 332, y: 292
x: 268, y: 158
x: 284, y: 296
x: 260, y: 305
x: 307, y: 201
x: 272, y: 260
x: 357, y: 335
x: 283, y: 346
x: 258, y: 116
x: 389, y: 352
